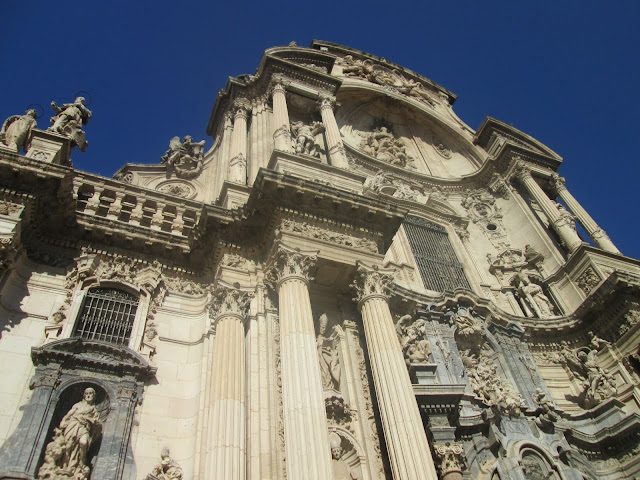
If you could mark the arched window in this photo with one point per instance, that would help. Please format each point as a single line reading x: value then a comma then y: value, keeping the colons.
x: 107, y: 314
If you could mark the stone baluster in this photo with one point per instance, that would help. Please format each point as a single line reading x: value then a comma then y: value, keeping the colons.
x: 305, y: 419
x: 238, y: 154
x: 94, y: 202
x: 337, y: 154
x: 115, y: 207
x: 227, y: 435
x: 599, y: 236
x: 409, y: 452
x: 137, y: 213
x: 559, y: 222
x: 281, y: 125
x: 158, y: 217
x: 177, y: 225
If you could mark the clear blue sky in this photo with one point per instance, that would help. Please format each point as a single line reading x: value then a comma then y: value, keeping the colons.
x: 566, y: 73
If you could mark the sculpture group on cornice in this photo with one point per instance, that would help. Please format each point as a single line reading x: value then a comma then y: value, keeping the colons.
x: 185, y: 158
x: 386, y: 77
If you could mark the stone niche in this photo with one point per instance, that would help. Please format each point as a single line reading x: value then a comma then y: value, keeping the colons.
x: 65, y: 371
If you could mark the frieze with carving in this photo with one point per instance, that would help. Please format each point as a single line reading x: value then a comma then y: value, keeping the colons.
x: 588, y: 280
x: 177, y: 189
x: 329, y: 236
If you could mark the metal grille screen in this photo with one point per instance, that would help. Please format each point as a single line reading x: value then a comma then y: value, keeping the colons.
x: 107, y: 314
x: 437, y: 262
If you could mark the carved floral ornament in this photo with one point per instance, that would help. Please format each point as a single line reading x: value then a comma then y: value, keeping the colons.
x: 450, y: 456
x: 288, y: 262
x: 372, y: 282
x: 228, y: 299
x: 313, y: 231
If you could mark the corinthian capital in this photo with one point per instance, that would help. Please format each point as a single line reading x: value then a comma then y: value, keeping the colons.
x: 521, y: 170
x: 228, y: 300
x: 557, y: 182
x: 288, y: 262
x: 372, y: 282
x: 241, y: 108
x: 327, y: 101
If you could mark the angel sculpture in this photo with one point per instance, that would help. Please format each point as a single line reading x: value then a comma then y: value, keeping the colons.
x: 598, y: 384
x: 16, y: 130
x: 184, y: 157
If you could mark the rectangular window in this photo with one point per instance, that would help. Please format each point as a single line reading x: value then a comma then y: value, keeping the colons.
x: 437, y: 262
x: 107, y: 314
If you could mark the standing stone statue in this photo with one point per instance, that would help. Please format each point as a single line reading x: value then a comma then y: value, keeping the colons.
x: 341, y: 470
x: 66, y: 454
x: 415, y: 346
x: 534, y: 296
x: 305, y: 137
x: 327, y: 357
x: 167, y: 469
x: 69, y: 120
x: 16, y: 130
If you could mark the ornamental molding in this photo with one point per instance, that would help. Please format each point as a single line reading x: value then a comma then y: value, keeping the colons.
x: 308, y: 230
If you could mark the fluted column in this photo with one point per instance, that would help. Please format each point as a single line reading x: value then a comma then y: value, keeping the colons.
x: 305, y: 420
x: 562, y: 224
x: 227, y: 434
x: 337, y: 154
x: 281, y: 125
x: 409, y: 452
x: 238, y: 154
x: 599, y: 236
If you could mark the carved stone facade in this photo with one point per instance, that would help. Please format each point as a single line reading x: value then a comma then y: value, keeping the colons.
x: 350, y: 284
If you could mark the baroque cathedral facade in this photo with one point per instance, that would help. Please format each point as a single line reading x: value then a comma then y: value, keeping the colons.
x: 350, y: 284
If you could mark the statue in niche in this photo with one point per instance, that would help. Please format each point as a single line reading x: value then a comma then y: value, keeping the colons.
x: 533, y: 294
x: 382, y: 145
x: 567, y: 216
x: 598, y: 384
x: 16, y: 130
x: 167, y: 469
x: 341, y: 470
x: 327, y: 357
x: 66, y: 454
x: 69, y: 120
x: 184, y: 157
x: 415, y: 347
x: 305, y: 137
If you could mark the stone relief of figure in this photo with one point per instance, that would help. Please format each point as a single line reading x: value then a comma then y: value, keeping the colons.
x: 184, y: 157
x: 69, y: 120
x: 16, y: 130
x: 566, y: 215
x: 548, y: 416
x: 469, y: 326
x: 327, y: 357
x: 382, y: 145
x: 598, y: 384
x: 533, y: 294
x: 341, y: 470
x: 167, y: 469
x: 596, y: 342
x: 66, y: 454
x: 305, y: 137
x: 415, y: 347
x: 356, y: 68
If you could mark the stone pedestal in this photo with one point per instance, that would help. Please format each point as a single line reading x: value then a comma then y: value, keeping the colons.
x: 49, y: 147
x: 234, y: 195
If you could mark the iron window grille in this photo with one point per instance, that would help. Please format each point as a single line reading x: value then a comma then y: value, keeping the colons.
x: 107, y: 314
x: 437, y: 261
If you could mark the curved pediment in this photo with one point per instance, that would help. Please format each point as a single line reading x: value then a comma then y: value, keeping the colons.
x: 93, y: 355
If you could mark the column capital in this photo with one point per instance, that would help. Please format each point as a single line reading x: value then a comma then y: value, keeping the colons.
x: 557, y: 182
x: 290, y: 263
x: 521, y: 170
x: 241, y: 108
x: 228, y: 300
x: 450, y: 456
x: 327, y: 102
x: 279, y: 83
x: 372, y: 282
